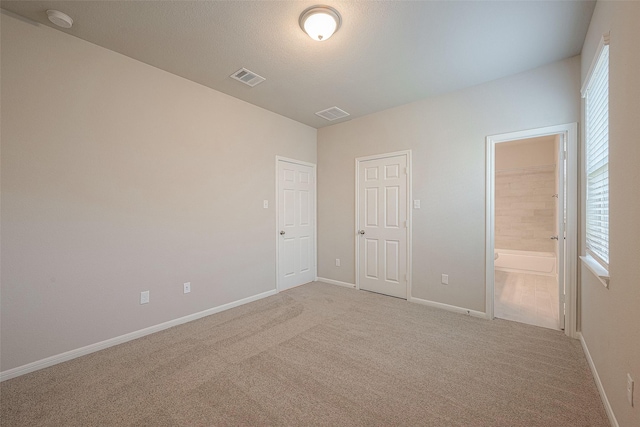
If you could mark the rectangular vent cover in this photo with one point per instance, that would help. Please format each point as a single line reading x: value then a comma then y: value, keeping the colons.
x: 247, y: 77
x: 333, y: 113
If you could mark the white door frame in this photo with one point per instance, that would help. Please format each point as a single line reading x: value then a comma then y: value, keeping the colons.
x: 570, y: 132
x: 315, y: 213
x: 406, y: 153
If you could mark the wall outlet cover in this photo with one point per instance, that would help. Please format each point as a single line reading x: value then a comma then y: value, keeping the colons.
x: 445, y: 279
x: 187, y: 287
x: 144, y: 297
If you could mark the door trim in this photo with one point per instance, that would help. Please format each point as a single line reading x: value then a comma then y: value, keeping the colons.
x: 570, y: 131
x: 315, y: 213
x: 358, y: 160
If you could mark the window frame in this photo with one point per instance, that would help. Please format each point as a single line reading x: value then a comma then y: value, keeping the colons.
x: 593, y: 260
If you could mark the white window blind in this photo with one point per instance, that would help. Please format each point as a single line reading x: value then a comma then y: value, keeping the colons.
x: 597, y: 158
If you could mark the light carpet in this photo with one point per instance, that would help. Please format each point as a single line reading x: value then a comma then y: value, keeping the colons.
x: 324, y: 355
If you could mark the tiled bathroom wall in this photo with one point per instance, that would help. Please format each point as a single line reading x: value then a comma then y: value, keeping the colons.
x: 525, y: 209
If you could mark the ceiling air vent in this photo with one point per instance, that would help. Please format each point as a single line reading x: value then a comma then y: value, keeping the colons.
x: 247, y: 77
x: 333, y: 113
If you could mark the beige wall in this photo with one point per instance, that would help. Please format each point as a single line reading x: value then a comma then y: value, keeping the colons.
x: 118, y: 177
x: 447, y: 135
x: 526, y: 153
x: 525, y: 181
x: 525, y: 211
x: 610, y: 319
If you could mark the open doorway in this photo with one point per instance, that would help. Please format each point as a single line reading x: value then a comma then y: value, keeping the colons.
x: 527, y: 231
x: 531, y: 214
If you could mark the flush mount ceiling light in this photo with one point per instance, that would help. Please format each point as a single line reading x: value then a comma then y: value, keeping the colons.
x: 60, y: 19
x: 320, y: 22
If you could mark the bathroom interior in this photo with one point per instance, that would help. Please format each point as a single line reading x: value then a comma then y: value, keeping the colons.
x: 527, y: 209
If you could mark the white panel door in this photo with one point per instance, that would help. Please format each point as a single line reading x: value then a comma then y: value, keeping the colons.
x: 382, y: 225
x: 296, y: 224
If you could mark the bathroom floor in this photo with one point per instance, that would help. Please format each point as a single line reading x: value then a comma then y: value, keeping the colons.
x: 527, y: 298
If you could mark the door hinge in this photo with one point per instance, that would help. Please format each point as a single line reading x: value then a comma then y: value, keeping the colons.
x: 406, y: 278
x: 564, y: 155
x: 405, y: 224
x: 562, y: 297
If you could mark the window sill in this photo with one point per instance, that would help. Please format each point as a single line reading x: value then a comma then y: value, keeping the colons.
x: 597, y: 269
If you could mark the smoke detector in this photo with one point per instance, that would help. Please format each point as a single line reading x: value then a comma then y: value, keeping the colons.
x: 333, y: 113
x: 60, y: 19
x: 247, y: 77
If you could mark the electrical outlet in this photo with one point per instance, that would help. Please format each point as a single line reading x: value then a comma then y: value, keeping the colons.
x: 187, y: 287
x: 337, y: 262
x: 265, y: 204
x: 445, y: 279
x: 144, y: 297
x: 416, y: 204
x: 630, y: 389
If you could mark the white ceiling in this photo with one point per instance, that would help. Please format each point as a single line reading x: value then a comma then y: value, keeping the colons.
x: 387, y: 53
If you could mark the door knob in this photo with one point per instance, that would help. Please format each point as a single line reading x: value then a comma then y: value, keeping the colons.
x: 554, y: 237
x: 361, y: 232
x: 282, y: 233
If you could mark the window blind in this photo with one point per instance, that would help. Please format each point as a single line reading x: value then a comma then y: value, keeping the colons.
x: 597, y: 158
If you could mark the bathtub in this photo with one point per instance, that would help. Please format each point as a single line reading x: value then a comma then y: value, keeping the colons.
x: 543, y: 263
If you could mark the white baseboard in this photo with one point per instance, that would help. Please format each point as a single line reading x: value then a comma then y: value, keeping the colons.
x: 448, y: 307
x: 335, y: 282
x: 596, y: 377
x: 92, y: 348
